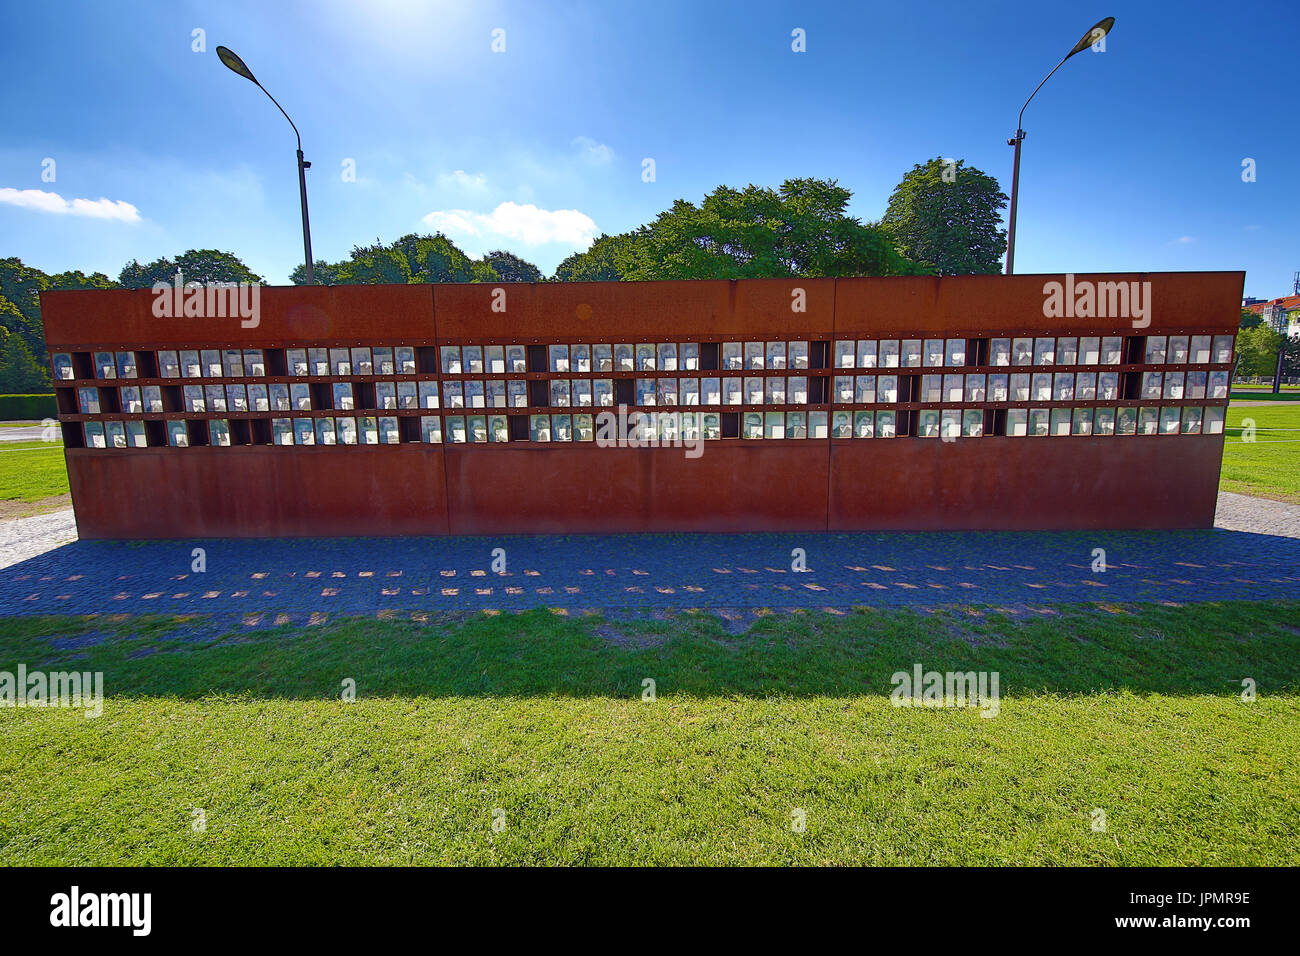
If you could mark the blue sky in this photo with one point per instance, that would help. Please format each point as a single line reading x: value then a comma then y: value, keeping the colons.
x: 1133, y: 158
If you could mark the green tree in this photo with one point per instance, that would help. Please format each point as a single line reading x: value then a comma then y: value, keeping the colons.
x: 1250, y: 319
x: 195, y: 265
x: 801, y: 229
x: 947, y: 217
x: 21, y: 286
x: 599, y: 263
x: 510, y: 268
x: 326, y: 273
x: 410, y: 259
x: 1257, y: 351
x: 20, y: 372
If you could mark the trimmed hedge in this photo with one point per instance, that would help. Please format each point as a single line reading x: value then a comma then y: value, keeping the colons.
x: 15, y: 407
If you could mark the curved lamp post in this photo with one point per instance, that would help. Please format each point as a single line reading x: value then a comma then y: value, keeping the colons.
x: 1092, y: 36
x: 232, y: 60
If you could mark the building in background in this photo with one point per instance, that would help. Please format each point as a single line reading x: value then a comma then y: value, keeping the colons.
x: 1281, y: 314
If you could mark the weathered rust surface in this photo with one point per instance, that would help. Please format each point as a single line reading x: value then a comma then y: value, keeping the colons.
x: 845, y: 484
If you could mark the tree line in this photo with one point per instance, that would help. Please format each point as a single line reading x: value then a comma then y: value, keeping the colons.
x: 943, y: 218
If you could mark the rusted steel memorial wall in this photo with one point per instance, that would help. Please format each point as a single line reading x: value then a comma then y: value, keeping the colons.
x: 979, y: 402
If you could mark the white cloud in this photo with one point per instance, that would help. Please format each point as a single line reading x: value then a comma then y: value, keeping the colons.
x: 42, y: 201
x: 1184, y: 240
x: 598, y: 154
x: 522, y: 223
x: 463, y: 181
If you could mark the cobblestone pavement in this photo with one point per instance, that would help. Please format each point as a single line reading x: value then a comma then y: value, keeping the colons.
x: 301, y: 579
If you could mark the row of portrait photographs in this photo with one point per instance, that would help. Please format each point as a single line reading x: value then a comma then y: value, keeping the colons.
x: 772, y: 390
x: 622, y: 357
x: 1050, y: 350
x: 690, y: 426
x: 665, y: 356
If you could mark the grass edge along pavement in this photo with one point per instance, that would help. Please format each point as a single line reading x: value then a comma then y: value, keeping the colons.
x: 1136, y: 711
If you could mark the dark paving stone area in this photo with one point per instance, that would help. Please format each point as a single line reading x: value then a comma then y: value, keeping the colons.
x: 297, y: 581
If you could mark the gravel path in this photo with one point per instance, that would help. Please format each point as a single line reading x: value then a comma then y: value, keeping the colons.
x: 1257, y: 515
x: 24, y: 538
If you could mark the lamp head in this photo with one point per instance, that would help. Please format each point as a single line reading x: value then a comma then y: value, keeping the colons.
x: 232, y: 60
x: 1098, y: 31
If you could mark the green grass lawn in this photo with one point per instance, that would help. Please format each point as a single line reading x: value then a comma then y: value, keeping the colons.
x: 1135, y: 711
x: 1246, y: 393
x: 30, y: 471
x: 1270, y: 465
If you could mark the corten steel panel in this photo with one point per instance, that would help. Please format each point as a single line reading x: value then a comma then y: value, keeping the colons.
x: 259, y: 491
x: 1061, y: 483
x: 975, y: 305
x: 346, y: 315
x: 634, y: 311
x: 1155, y: 481
x: 733, y: 486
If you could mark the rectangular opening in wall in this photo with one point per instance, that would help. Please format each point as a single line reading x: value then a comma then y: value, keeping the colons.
x: 409, y: 426
x: 66, y: 400
x: 709, y: 355
x: 240, y: 433
x: 73, y: 436
x: 275, y: 362
x: 518, y: 427
x: 82, y: 366
x: 171, y: 396
x: 322, y: 396
x: 109, y: 402
x: 261, y: 431
x: 146, y: 364
x: 426, y: 359
x: 905, y: 424
x: 818, y: 389
x: 155, y: 433
x: 624, y: 391
x: 1135, y: 350
x: 977, y: 351
x: 909, y: 387
x: 995, y: 422
x: 537, y: 360
x: 730, y: 424
x: 538, y: 392
x: 363, y: 394
x: 197, y: 430
x: 1130, y: 386
x: 819, y: 355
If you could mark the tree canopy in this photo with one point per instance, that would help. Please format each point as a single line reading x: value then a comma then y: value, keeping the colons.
x: 195, y: 265
x: 800, y: 229
x: 416, y: 259
x: 946, y: 217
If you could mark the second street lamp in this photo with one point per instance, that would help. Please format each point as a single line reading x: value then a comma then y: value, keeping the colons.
x: 232, y: 60
x: 1094, y: 35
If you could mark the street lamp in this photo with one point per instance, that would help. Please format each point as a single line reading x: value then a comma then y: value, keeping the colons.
x: 232, y: 60
x: 1092, y: 36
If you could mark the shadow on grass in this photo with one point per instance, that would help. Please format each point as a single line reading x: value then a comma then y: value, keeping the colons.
x: 1144, y: 649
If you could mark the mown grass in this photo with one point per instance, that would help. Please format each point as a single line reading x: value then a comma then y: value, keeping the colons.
x: 30, y: 471
x: 1268, y: 466
x: 1136, y: 711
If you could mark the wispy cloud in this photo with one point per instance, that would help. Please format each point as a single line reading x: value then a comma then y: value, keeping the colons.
x: 521, y: 223
x: 598, y: 154
x: 1184, y: 240
x: 463, y: 181
x: 41, y: 201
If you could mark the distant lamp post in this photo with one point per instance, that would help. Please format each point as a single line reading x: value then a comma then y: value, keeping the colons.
x: 1092, y: 36
x: 232, y: 60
